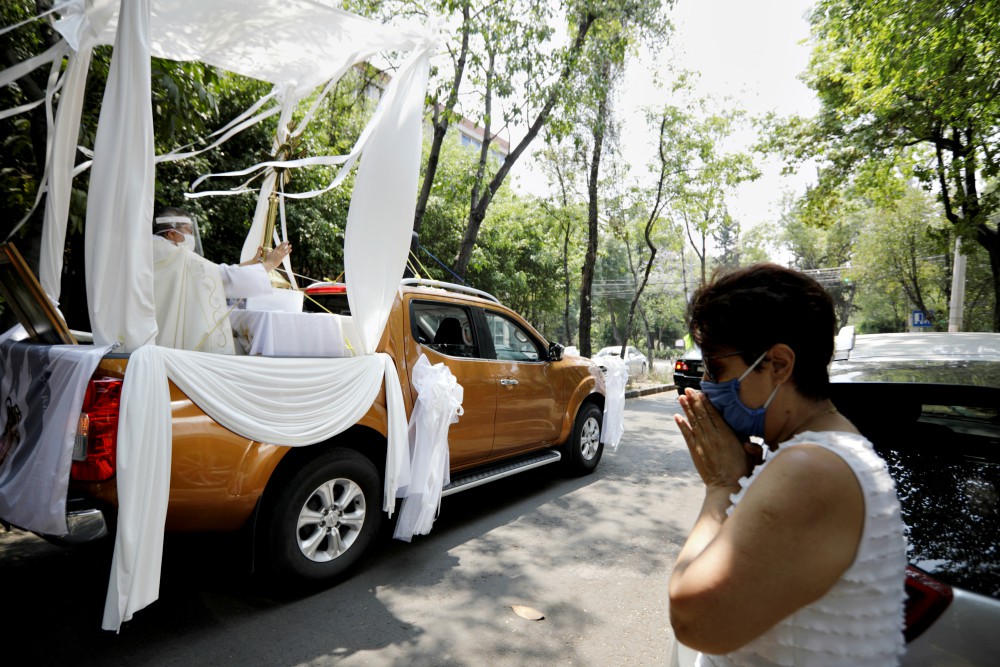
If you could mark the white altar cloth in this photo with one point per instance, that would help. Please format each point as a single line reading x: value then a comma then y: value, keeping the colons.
x: 270, y: 333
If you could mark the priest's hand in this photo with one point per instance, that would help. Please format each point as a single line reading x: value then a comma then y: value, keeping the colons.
x: 273, y: 258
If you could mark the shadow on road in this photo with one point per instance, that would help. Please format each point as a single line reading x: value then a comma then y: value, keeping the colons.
x: 491, y: 547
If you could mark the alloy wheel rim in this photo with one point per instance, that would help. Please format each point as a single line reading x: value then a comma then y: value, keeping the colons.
x: 330, y: 520
x: 590, y: 438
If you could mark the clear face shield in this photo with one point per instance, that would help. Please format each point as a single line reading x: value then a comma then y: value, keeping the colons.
x: 185, y: 225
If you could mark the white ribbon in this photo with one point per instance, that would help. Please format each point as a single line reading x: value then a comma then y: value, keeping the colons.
x: 55, y: 82
x: 438, y: 406
x: 54, y: 53
x: 56, y: 8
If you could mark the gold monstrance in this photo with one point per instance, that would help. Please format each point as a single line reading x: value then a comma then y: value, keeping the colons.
x: 286, y: 151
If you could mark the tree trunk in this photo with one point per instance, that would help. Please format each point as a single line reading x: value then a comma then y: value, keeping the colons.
x: 569, y: 331
x: 590, y: 259
x: 442, y: 118
x: 479, y: 205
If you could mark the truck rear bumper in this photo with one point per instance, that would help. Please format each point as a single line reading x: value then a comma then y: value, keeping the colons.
x: 84, y: 525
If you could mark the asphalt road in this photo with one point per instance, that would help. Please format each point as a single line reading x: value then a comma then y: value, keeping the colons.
x: 592, y: 554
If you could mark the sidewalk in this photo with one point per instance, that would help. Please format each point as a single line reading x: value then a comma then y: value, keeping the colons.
x: 649, y: 389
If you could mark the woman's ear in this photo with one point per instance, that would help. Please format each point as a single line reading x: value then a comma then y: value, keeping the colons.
x: 782, y: 362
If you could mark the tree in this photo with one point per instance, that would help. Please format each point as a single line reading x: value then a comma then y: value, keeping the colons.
x: 819, y: 230
x: 561, y: 162
x: 599, y: 128
x: 903, y: 250
x: 659, y: 196
x: 922, y: 73
x: 520, y: 43
x: 709, y: 175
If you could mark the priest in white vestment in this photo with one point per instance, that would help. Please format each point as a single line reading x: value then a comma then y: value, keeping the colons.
x: 191, y: 291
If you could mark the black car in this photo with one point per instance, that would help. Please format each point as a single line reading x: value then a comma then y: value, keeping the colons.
x: 930, y: 404
x: 688, y: 370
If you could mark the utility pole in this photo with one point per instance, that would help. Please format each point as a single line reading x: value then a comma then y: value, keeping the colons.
x: 957, y: 305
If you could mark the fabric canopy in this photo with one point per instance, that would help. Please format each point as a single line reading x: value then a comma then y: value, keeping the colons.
x: 300, y: 44
x: 297, y: 45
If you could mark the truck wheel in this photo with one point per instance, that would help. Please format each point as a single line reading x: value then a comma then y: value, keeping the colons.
x: 584, y: 449
x: 322, y: 517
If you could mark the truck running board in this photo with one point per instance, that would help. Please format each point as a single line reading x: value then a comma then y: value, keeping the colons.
x: 490, y: 473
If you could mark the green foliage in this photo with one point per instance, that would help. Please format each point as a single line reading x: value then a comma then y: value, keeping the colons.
x: 895, y: 75
x: 706, y: 174
x: 903, y: 261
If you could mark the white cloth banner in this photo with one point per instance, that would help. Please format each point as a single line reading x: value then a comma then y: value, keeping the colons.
x: 438, y: 406
x: 118, y: 246
x: 615, y: 379
x: 42, y: 388
x: 305, y: 401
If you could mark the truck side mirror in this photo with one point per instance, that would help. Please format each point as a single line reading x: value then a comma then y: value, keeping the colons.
x: 556, y: 351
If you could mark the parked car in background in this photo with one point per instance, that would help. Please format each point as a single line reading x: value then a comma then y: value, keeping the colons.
x: 635, y: 360
x: 688, y: 370
x: 930, y: 403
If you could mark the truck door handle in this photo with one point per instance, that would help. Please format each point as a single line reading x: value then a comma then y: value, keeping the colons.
x: 508, y: 382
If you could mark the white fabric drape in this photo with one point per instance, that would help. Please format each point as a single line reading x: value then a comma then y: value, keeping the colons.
x: 143, y: 483
x: 118, y: 247
x: 60, y: 172
x: 380, y: 220
x: 306, y: 401
x: 615, y: 379
x: 438, y: 406
x: 43, y: 388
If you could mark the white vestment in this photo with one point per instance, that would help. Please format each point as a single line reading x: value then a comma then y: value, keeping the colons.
x: 190, y: 294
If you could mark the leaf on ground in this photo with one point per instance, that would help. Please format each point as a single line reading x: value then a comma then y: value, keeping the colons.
x: 527, y: 612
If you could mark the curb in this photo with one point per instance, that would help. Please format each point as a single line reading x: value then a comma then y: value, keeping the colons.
x: 636, y: 393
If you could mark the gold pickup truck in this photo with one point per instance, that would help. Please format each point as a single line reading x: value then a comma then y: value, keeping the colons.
x: 314, y: 511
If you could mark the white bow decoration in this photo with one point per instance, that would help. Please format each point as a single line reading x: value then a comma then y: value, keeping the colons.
x: 438, y: 406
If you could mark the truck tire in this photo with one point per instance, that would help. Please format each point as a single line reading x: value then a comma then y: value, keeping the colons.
x: 322, y: 517
x: 584, y: 448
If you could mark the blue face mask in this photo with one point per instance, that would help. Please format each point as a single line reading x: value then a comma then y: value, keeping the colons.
x: 725, y: 397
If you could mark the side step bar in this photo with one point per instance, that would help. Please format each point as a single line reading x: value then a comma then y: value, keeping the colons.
x: 490, y: 473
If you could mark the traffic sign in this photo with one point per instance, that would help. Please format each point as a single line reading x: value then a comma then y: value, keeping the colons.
x: 918, y: 319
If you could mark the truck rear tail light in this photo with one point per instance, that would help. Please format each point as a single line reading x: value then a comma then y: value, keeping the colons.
x: 95, y: 449
x: 681, y: 366
x: 926, y: 600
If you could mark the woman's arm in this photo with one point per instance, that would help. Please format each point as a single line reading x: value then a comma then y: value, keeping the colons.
x: 792, y: 536
x: 794, y: 533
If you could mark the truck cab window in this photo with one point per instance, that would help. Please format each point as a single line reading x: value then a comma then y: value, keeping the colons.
x: 444, y: 328
x: 512, y: 342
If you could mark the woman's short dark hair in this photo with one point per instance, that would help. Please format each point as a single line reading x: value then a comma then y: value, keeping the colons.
x: 755, y: 307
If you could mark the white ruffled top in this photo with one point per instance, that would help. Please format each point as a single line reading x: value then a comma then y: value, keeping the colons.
x: 859, y: 622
